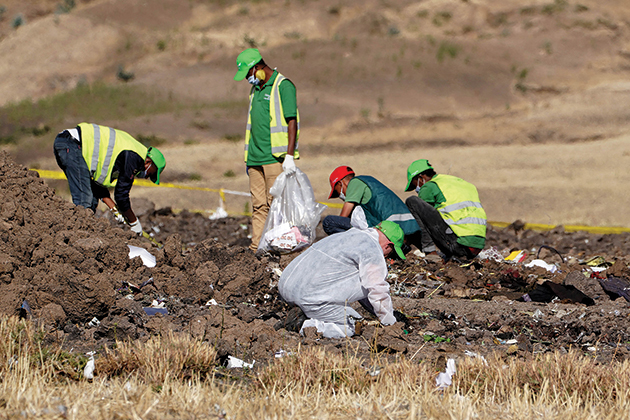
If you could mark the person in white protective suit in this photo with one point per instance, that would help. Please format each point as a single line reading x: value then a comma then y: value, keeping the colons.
x: 341, y: 269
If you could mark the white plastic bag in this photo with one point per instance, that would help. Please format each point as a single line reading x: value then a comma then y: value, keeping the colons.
x: 293, y: 215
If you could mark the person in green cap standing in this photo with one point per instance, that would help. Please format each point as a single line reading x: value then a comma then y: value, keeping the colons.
x: 340, y: 269
x: 271, y: 135
x: 96, y: 158
x: 448, y: 211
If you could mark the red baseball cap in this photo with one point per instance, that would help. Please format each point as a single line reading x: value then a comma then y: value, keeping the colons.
x: 337, y: 175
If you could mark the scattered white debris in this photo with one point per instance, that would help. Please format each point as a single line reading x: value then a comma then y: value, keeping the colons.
x: 540, y: 263
x: 88, y: 370
x: 283, y: 353
x: 233, y: 362
x: 219, y: 213
x: 94, y: 322
x: 156, y: 304
x: 538, y: 314
x: 445, y: 379
x: 211, y: 302
x: 277, y: 271
x: 475, y: 355
x: 147, y: 259
x: 490, y: 254
x: 375, y: 371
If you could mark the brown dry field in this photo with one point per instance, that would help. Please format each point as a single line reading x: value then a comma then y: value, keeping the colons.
x: 526, y: 99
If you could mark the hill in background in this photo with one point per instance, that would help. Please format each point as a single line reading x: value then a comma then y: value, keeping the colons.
x: 526, y: 99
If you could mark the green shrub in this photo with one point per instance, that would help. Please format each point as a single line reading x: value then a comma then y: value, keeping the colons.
x: 18, y: 21
x: 441, y: 18
x: 446, y: 49
x: 233, y: 137
x: 66, y: 7
x: 122, y: 74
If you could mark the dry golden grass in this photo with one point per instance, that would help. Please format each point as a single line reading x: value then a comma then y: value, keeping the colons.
x: 176, y: 377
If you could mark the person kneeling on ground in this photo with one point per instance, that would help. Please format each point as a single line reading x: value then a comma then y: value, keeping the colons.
x: 95, y: 158
x: 448, y: 211
x: 378, y: 203
x: 341, y: 269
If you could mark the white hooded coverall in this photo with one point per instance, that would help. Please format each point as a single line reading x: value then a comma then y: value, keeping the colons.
x: 340, y: 269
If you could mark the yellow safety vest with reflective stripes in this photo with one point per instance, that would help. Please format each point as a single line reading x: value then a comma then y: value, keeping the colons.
x: 462, y: 210
x: 101, y: 146
x: 278, y: 126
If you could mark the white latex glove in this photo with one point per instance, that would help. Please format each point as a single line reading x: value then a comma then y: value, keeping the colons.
x: 117, y: 216
x: 136, y: 227
x: 288, y: 166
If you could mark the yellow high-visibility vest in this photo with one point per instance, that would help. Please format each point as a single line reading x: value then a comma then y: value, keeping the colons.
x: 278, y: 126
x: 462, y: 210
x: 101, y: 146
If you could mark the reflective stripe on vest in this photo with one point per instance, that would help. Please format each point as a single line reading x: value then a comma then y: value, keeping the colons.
x: 101, y: 146
x: 400, y: 217
x: 278, y: 126
x: 462, y: 210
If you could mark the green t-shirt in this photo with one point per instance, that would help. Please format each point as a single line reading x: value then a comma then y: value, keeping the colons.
x: 358, y: 192
x: 259, y: 150
x: 432, y: 194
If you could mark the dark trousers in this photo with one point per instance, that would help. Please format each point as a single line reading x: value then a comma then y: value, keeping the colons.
x: 335, y: 224
x: 70, y: 160
x: 435, y: 231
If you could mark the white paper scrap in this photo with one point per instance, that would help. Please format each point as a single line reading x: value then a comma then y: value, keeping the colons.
x: 233, y: 362
x: 147, y: 259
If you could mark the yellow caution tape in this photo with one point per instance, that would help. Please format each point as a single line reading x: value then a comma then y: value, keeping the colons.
x: 602, y: 230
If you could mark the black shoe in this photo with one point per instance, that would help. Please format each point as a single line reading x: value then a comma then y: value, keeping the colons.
x: 293, y: 321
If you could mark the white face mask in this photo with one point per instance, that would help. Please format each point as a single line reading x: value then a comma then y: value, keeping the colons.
x: 418, y: 185
x: 342, y: 196
x: 253, y: 80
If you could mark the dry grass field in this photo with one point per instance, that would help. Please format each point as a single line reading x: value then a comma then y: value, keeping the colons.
x: 178, y: 378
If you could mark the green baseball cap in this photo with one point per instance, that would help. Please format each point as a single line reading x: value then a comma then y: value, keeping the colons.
x: 245, y: 61
x: 416, y: 168
x: 395, y: 234
x: 158, y: 158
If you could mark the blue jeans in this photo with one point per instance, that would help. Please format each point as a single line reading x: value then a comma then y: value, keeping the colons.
x: 335, y: 224
x: 70, y: 160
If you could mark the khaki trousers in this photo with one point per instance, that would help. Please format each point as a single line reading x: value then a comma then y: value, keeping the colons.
x: 261, y: 179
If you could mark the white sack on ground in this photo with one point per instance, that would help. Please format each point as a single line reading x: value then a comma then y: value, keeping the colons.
x: 336, y: 271
x: 293, y: 215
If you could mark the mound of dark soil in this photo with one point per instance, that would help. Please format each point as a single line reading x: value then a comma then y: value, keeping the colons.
x: 73, y: 270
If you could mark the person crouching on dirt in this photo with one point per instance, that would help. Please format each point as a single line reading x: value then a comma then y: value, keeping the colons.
x: 341, y: 269
x: 95, y: 158
x: 378, y: 203
x: 448, y: 211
